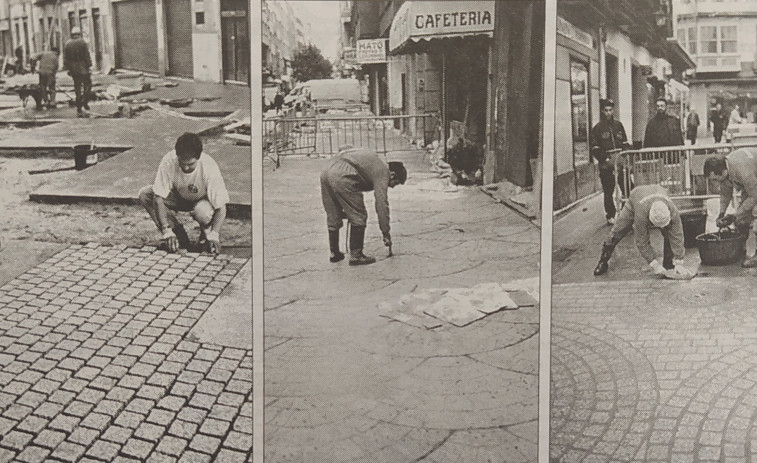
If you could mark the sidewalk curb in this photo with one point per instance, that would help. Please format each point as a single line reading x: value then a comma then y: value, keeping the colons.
x: 557, y: 215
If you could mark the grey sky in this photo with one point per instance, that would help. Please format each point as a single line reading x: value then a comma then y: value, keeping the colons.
x: 324, y: 19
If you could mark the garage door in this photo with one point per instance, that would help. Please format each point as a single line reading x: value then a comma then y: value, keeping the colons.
x: 136, y: 35
x: 179, y: 33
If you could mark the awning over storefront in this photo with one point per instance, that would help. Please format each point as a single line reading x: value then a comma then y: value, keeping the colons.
x: 422, y: 21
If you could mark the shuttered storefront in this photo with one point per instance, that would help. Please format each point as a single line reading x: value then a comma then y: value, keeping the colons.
x: 179, y: 35
x: 136, y: 35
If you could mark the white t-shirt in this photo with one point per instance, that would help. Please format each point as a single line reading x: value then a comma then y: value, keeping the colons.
x: 204, y: 181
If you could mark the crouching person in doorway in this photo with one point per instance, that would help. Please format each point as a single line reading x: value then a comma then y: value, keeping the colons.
x: 650, y: 207
x: 187, y: 181
x: 343, y: 182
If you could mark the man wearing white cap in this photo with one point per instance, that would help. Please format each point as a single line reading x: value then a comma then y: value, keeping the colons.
x: 77, y: 60
x: 649, y: 207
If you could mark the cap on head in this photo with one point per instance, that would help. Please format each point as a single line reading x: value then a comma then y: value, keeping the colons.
x: 605, y: 102
x: 662, y: 98
x: 659, y: 214
x: 75, y: 30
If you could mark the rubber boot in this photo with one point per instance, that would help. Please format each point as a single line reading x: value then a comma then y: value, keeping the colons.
x: 750, y: 262
x: 336, y: 254
x: 357, y: 237
x: 667, y: 255
x: 181, y: 235
x: 601, y: 267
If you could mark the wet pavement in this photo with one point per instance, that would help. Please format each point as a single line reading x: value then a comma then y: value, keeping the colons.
x: 100, y: 361
x: 345, y: 384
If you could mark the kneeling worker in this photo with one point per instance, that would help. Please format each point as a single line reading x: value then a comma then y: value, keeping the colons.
x: 187, y: 181
x: 739, y: 170
x: 343, y: 182
x: 648, y: 207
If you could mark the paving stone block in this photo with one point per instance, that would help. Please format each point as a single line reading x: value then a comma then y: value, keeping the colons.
x: 231, y: 456
x: 172, y: 446
x: 17, y: 412
x: 150, y: 432
x: 78, y: 408
x: 214, y: 427
x: 104, y: 450
x: 161, y: 417
x: 130, y: 419
x: 239, y: 441
x: 137, y: 448
x: 69, y: 452
x: 32, y: 424
x: 16, y: 440
x: 49, y: 439
x: 192, y: 415
x: 33, y: 454
x: 117, y: 434
x: 96, y: 421
x: 31, y: 399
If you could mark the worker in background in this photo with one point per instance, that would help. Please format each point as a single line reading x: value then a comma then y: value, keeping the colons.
x: 608, y: 135
x: 649, y: 207
x: 735, y: 117
x: 47, y: 67
x: 692, y: 126
x: 343, y: 181
x: 737, y: 170
x: 77, y: 60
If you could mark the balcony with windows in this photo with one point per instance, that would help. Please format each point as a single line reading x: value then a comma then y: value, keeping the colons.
x: 714, y: 47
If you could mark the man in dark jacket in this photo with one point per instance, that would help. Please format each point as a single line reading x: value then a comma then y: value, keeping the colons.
x: 718, y: 119
x: 343, y: 182
x: 662, y: 129
x: 608, y: 135
x: 77, y: 60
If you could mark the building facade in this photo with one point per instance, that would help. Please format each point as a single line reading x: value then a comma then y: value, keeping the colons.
x: 721, y: 37
x: 282, y: 34
x: 206, y: 40
x: 623, y: 51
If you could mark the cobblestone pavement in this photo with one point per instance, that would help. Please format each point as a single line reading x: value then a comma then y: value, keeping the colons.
x: 654, y: 371
x: 343, y: 383
x: 96, y: 363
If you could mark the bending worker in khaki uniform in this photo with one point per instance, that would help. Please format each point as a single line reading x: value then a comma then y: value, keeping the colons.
x: 649, y: 207
x: 739, y: 170
x: 343, y: 182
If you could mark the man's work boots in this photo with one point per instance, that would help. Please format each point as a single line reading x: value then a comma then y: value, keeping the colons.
x: 601, y: 267
x: 336, y: 254
x: 357, y: 237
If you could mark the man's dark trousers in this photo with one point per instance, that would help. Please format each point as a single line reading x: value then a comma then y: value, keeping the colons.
x: 82, y: 88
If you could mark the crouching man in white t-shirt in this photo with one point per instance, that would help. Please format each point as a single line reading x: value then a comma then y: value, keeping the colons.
x: 187, y: 181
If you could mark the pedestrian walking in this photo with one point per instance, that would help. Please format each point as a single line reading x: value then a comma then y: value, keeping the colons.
x: 663, y: 129
x: 187, y: 181
x: 19, y: 52
x: 605, y: 137
x: 47, y: 67
x: 737, y: 170
x: 649, y: 207
x: 343, y: 181
x: 278, y: 101
x: 718, y: 119
x: 692, y: 126
x: 735, y: 117
x: 77, y: 60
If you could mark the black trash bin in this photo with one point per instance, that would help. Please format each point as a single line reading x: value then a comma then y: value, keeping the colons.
x: 81, y: 152
x: 694, y: 223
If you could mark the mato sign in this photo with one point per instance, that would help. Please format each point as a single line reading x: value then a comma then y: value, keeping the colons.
x: 371, y: 51
x: 425, y: 20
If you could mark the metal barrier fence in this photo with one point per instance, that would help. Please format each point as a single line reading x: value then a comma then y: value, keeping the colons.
x: 325, y: 135
x: 680, y: 169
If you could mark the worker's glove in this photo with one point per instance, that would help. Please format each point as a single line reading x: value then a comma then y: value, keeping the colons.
x: 387, y: 240
x: 657, y: 267
x: 678, y: 263
x: 725, y: 221
x: 213, y: 244
x: 170, y: 239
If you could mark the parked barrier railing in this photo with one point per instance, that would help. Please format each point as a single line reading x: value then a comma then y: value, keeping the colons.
x: 326, y: 134
x: 680, y: 169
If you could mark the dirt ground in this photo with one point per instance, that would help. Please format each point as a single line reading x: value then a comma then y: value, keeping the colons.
x: 21, y: 219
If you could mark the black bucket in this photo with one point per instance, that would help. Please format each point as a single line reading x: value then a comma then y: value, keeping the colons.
x: 720, y: 252
x: 694, y: 223
x: 81, y: 152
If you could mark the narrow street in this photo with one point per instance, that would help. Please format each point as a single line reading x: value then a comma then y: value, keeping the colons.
x: 113, y: 350
x: 645, y: 369
x: 344, y: 383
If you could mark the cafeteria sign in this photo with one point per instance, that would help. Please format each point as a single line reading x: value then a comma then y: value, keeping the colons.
x: 371, y: 51
x: 426, y: 20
